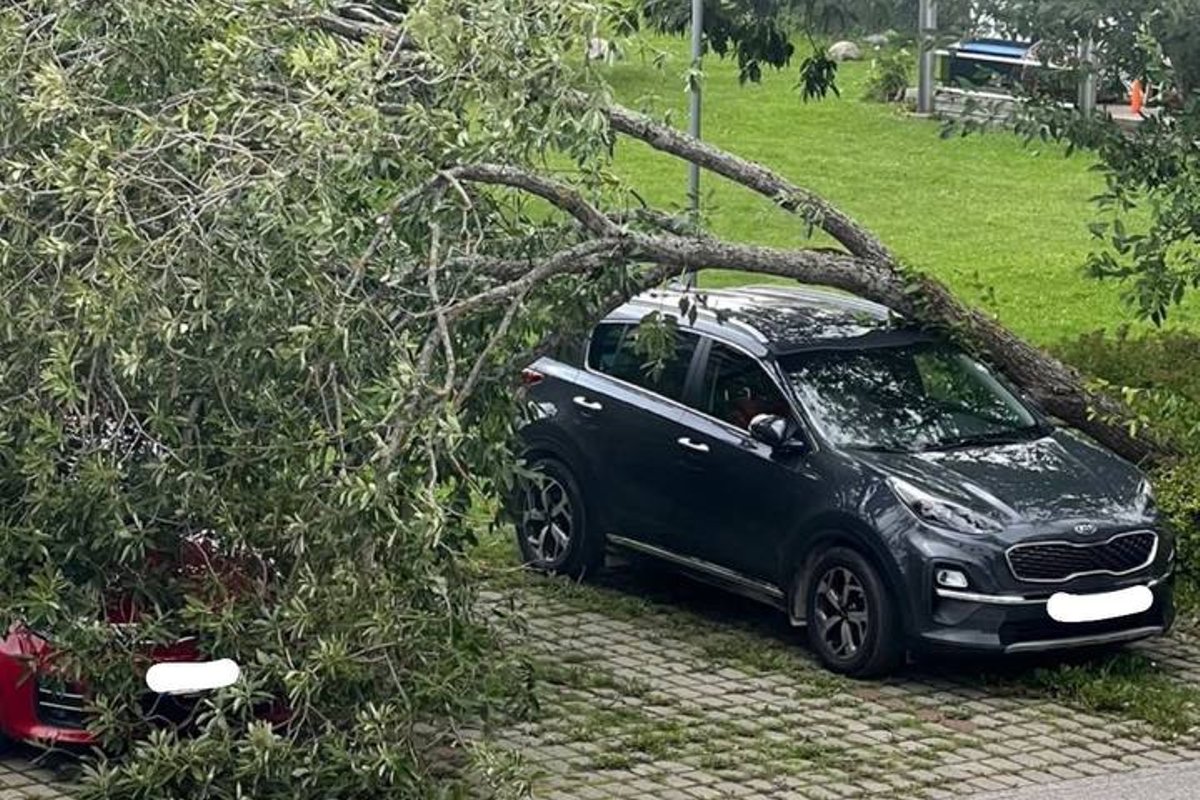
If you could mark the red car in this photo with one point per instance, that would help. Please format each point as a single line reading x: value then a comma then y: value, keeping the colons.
x: 39, y: 707
x: 36, y: 707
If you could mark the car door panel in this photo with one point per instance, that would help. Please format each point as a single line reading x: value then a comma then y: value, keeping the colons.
x: 628, y: 431
x: 743, y: 496
x: 627, y: 441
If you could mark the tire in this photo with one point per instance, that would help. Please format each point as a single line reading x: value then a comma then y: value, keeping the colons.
x: 553, y: 533
x: 852, y: 619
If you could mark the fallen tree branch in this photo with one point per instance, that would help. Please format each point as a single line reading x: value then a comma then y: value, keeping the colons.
x: 762, y: 180
x: 1060, y: 389
x: 583, y: 257
x: 559, y: 194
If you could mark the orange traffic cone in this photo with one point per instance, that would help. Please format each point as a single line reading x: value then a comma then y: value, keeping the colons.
x: 1137, y: 97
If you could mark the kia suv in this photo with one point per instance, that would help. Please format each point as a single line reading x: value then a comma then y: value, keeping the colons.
x: 872, y: 480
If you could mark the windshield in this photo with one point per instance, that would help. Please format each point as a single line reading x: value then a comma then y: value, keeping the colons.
x: 919, y: 397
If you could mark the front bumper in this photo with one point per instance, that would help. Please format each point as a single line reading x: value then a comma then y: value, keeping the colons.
x: 1012, y: 623
x: 38, y: 707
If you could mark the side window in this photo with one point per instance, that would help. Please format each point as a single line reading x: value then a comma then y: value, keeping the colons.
x: 614, y: 352
x: 736, y: 388
x: 604, y: 350
x: 568, y: 350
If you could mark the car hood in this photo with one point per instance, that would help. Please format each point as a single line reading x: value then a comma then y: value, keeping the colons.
x: 1060, y: 478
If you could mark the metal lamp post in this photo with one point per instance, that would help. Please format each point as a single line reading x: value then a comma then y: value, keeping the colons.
x: 694, y: 117
x: 926, y: 33
x: 1086, y: 101
x: 689, y: 279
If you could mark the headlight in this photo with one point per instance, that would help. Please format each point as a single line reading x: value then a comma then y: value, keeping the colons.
x: 1145, y: 498
x: 940, y: 512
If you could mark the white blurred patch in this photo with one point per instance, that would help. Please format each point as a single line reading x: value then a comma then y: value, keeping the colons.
x: 1063, y: 607
x: 194, y: 676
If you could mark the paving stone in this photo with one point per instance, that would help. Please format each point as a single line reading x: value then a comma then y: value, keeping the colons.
x: 1011, y: 781
x: 986, y: 785
x: 1163, y: 757
x: 1066, y: 773
x: 675, y: 794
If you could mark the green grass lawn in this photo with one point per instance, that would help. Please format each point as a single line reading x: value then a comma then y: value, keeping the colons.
x: 984, y: 213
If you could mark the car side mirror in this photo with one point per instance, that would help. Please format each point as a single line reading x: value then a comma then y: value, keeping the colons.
x: 775, y: 432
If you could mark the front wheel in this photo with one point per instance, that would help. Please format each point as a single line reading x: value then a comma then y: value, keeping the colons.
x: 553, y: 530
x: 852, y: 621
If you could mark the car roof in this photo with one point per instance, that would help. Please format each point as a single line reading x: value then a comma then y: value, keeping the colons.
x: 779, y: 320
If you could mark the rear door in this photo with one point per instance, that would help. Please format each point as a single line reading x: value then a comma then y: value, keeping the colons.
x: 626, y: 414
x: 745, y: 498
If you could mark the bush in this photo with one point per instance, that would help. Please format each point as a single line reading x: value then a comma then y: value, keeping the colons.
x: 888, y: 78
x: 1165, y: 360
x: 1159, y: 376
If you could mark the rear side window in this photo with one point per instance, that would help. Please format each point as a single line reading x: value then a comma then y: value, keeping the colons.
x: 614, y: 352
x: 736, y: 388
x: 568, y: 350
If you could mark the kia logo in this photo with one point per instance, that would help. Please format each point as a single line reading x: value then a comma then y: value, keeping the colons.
x: 1085, y: 529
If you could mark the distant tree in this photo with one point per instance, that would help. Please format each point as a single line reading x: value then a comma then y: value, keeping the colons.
x: 954, y: 16
x: 760, y: 33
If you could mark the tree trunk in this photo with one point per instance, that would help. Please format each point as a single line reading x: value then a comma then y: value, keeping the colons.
x: 1058, y: 388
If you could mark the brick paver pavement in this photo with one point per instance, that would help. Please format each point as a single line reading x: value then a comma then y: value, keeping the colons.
x: 695, y: 694
x: 23, y: 778
x: 656, y: 701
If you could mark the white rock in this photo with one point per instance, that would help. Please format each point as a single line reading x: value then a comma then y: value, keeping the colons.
x: 845, y: 51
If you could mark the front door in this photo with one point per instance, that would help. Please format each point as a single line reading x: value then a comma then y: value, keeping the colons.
x: 745, y: 498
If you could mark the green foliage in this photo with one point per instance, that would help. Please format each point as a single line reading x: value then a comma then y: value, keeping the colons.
x: 215, y: 324
x: 873, y: 16
x: 758, y: 34
x: 1126, y: 683
x: 818, y: 77
x: 1159, y: 376
x: 889, y: 75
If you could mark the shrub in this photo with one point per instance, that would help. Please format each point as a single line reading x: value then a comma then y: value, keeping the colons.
x: 1159, y: 376
x: 888, y: 77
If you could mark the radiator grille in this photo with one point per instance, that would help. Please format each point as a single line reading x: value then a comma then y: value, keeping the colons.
x: 1060, y: 561
x: 61, y: 708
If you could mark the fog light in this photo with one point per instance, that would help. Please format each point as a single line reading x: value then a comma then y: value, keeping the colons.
x: 951, y: 579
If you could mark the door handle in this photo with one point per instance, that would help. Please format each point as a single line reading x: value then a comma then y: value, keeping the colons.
x: 583, y: 402
x: 699, y: 447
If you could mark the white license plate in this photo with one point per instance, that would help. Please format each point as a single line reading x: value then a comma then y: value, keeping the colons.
x: 1065, y: 607
x: 187, y: 677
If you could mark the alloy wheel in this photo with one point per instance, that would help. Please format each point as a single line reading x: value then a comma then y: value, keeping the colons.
x: 547, y: 520
x: 842, y: 614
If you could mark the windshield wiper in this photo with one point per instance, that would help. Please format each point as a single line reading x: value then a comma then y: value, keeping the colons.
x: 1010, y: 436
x: 884, y: 448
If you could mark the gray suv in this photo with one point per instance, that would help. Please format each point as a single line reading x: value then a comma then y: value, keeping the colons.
x: 873, y: 481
